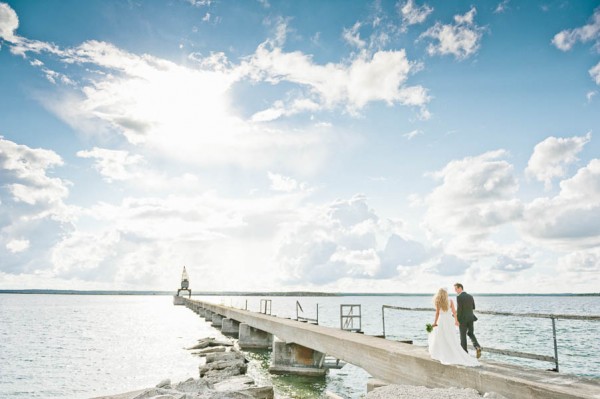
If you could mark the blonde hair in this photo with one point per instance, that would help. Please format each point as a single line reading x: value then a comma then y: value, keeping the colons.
x: 440, y: 300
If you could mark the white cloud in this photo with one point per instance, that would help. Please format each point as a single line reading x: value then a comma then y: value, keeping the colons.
x: 352, y: 36
x: 187, y: 112
x: 582, y: 262
x: 502, y: 6
x: 412, y: 134
x: 280, y: 109
x: 16, y: 246
x: 476, y: 196
x: 113, y: 164
x: 413, y: 14
x: 570, y: 220
x: 595, y: 73
x: 284, y: 183
x: 200, y: 3
x: 23, y: 171
x: 345, y: 239
x: 461, y: 40
x: 551, y: 156
x: 9, y: 22
x: 32, y: 206
x: 402, y: 252
x: 450, y: 265
x: 590, y: 94
x: 366, y: 78
x: 509, y: 264
x: 181, y: 112
x: 566, y: 39
x: 137, y: 241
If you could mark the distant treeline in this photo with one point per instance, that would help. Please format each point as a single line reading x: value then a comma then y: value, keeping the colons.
x: 265, y: 293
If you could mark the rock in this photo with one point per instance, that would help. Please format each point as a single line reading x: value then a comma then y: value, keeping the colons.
x: 234, y: 383
x: 494, y: 395
x: 212, y: 349
x: 259, y: 392
x: 214, y: 357
x: 213, y: 367
x: 203, y: 343
x: 220, y: 343
x: 192, y: 386
x: 159, y: 393
x: 164, y: 383
x: 228, y: 395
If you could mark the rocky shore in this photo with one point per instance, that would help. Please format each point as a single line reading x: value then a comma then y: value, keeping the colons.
x: 222, y: 376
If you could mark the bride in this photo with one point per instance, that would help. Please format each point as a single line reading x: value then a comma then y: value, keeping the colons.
x: 444, y: 343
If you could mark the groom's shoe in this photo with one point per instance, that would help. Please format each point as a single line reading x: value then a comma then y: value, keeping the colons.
x: 478, y: 352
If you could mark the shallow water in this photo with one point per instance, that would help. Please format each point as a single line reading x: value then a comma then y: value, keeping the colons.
x: 81, y: 346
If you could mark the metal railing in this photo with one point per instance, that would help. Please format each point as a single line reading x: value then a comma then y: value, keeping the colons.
x: 349, y: 319
x: 306, y: 319
x: 265, y: 306
x: 506, y: 352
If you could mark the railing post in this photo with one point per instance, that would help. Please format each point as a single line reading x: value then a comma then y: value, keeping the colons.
x: 383, y: 319
x: 317, y: 314
x: 555, y: 346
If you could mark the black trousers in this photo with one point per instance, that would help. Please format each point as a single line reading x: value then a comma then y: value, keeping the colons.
x: 467, y: 329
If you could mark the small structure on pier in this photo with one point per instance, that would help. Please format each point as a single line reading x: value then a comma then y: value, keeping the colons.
x: 185, y: 288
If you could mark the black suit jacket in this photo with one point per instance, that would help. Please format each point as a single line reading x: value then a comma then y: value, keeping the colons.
x: 464, y: 309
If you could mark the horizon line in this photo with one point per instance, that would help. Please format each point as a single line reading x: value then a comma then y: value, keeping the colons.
x: 266, y: 293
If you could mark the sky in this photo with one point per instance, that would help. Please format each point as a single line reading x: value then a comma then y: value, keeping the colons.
x: 336, y: 146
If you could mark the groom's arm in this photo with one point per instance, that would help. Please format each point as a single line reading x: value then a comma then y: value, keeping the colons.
x: 459, y: 308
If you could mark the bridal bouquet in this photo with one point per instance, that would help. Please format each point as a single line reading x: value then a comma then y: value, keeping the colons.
x: 428, y: 327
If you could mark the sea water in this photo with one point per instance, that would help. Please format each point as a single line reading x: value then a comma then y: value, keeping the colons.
x: 82, y: 346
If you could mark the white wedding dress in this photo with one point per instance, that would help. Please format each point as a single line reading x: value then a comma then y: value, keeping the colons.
x: 444, y: 343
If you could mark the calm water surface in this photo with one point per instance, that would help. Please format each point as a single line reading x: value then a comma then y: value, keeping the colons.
x: 80, y: 346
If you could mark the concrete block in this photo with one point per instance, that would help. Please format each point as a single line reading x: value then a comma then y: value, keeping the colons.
x: 296, y: 359
x: 217, y: 320
x: 253, y: 338
x: 208, y: 315
x: 230, y: 327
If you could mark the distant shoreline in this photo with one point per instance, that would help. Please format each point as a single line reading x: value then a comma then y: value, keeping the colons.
x: 263, y: 293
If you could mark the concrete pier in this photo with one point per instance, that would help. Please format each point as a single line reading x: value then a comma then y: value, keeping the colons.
x: 208, y: 315
x: 395, y: 362
x: 253, y: 338
x: 178, y: 300
x: 296, y: 359
x: 230, y: 327
x: 217, y: 320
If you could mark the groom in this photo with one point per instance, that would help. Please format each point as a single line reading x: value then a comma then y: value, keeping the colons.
x: 465, y: 318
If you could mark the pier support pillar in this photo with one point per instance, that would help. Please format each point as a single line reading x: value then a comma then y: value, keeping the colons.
x: 201, y: 312
x: 253, y: 338
x: 208, y: 315
x: 178, y: 300
x: 296, y: 359
x: 217, y: 320
x: 230, y: 327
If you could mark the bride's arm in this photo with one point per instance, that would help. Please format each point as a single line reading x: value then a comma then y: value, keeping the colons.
x: 437, y: 314
x: 453, y: 311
